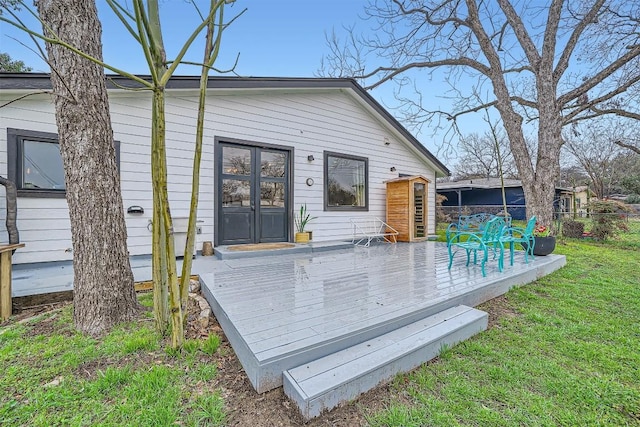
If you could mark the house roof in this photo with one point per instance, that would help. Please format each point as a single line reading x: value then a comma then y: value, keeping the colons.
x: 584, y: 188
x: 483, y: 183
x: 41, y: 81
x: 407, y: 178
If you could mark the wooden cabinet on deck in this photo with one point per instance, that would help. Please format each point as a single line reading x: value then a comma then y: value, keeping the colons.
x: 407, y: 207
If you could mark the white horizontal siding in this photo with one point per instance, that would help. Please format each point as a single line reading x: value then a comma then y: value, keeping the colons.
x: 311, y: 123
x: 314, y: 124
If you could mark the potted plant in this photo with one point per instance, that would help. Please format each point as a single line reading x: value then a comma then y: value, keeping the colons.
x: 301, y: 220
x: 545, y: 243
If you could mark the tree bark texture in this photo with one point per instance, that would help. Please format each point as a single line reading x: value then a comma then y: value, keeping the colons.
x: 103, y: 282
x: 163, y: 228
x: 12, y: 210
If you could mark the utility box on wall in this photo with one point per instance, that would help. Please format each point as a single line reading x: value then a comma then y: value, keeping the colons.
x: 180, y: 228
x: 407, y: 202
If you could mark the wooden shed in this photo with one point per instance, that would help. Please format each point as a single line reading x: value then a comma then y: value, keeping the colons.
x: 407, y: 207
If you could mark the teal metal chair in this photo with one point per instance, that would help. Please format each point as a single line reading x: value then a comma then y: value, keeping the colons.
x: 512, y: 235
x: 469, y: 223
x: 489, y: 240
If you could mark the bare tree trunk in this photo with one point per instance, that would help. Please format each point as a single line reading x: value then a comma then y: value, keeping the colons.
x: 165, y: 276
x: 12, y: 210
x: 211, y: 48
x: 103, y: 281
x: 159, y: 250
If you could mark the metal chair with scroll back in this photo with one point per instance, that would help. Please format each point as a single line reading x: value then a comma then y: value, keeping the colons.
x: 488, y: 240
x: 512, y: 235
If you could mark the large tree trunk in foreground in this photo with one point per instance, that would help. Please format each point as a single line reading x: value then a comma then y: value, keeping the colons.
x: 103, y: 281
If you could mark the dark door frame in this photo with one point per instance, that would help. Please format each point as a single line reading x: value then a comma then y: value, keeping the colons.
x: 218, y: 141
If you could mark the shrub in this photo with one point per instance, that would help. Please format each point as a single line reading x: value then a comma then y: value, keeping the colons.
x: 441, y: 216
x: 633, y: 199
x: 608, y: 217
x: 572, y: 229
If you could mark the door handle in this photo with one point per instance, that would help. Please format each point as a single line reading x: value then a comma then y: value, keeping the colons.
x: 253, y: 207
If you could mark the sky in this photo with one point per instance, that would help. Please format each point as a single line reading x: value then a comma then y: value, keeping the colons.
x: 273, y: 38
x: 283, y: 38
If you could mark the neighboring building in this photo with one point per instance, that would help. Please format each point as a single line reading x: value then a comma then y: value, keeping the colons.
x: 485, y: 194
x: 583, y: 195
x: 270, y: 145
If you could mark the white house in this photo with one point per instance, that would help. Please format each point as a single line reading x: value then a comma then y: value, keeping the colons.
x: 270, y: 145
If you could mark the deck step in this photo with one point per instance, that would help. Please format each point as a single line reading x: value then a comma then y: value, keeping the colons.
x: 339, y: 377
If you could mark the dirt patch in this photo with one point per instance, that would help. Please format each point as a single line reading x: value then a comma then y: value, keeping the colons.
x: 48, y: 326
x: 245, y: 407
x: 22, y: 315
x: 50, y: 322
x: 248, y: 408
x: 498, y: 308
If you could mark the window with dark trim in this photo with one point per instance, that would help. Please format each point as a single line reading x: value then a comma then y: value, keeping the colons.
x: 35, y: 164
x: 346, y: 182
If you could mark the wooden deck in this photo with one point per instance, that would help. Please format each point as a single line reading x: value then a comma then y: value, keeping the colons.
x: 282, y: 311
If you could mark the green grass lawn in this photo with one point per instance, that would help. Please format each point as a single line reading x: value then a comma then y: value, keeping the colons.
x: 53, y: 376
x: 568, y: 354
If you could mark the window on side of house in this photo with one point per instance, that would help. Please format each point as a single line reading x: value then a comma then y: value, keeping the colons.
x: 346, y: 182
x: 34, y: 163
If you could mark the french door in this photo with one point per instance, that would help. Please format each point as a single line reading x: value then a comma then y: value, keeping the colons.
x: 252, y: 194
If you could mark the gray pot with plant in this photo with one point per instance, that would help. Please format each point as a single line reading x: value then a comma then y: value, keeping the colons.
x: 544, y: 242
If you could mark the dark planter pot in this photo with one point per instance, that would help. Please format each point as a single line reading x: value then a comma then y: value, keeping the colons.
x: 544, y: 245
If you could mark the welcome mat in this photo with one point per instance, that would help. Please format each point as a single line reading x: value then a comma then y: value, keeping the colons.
x: 261, y: 247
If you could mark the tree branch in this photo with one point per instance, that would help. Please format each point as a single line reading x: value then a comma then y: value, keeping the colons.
x: 628, y: 146
x: 550, y: 37
x: 521, y: 33
x: 600, y: 76
x: 524, y: 102
x: 592, y: 105
x: 55, y: 40
x: 25, y: 96
x: 122, y: 15
x: 428, y: 64
x: 563, y: 62
x: 427, y: 16
x: 616, y: 111
x: 470, y: 110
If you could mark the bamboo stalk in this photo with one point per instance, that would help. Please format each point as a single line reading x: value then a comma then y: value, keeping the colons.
x: 210, y: 55
x: 158, y: 259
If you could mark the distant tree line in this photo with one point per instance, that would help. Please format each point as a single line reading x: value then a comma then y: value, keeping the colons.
x: 9, y: 65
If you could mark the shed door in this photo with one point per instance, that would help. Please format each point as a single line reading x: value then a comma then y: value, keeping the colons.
x: 253, y: 184
x: 419, y: 210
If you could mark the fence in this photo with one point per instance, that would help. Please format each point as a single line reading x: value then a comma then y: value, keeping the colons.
x: 451, y: 213
x: 628, y: 223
